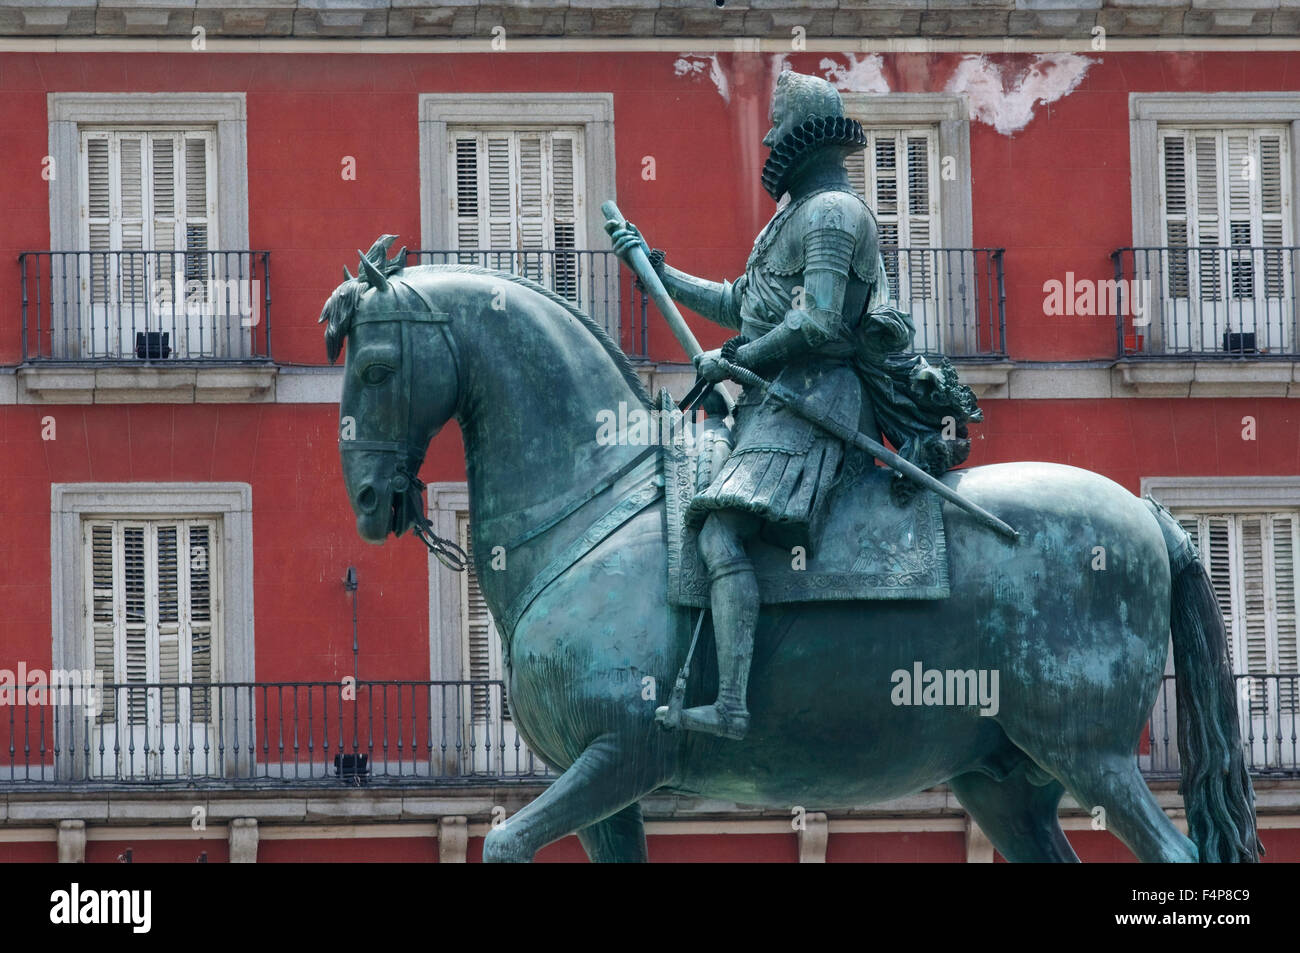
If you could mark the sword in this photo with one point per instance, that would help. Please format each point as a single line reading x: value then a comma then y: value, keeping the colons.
x: 882, y: 453
x: 642, y: 268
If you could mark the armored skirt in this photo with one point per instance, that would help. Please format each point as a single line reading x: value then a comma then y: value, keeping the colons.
x: 783, y: 467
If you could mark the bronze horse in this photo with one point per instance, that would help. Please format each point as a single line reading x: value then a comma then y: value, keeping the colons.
x: 1080, y: 652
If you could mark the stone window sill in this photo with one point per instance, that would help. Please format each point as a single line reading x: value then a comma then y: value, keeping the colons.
x: 128, y: 384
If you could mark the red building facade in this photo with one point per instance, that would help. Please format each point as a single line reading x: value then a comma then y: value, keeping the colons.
x: 1008, y: 167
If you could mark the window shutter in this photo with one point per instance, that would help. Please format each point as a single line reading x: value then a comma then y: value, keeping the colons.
x: 197, y: 572
x: 146, y: 191
x: 482, y: 653
x: 1286, y: 562
x: 1223, y: 189
x: 896, y: 174
x: 520, y: 190
x: 1176, y: 221
x: 199, y: 211
x: 136, y: 668
x: 103, y: 573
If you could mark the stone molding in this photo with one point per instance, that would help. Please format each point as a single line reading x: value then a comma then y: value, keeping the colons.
x: 648, y: 18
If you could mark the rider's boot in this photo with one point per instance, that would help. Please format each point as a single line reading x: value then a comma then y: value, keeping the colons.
x: 735, y: 599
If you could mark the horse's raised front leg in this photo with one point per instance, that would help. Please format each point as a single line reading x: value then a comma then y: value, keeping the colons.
x: 600, y: 783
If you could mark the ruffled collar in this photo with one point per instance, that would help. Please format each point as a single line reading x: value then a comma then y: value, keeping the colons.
x: 799, y: 145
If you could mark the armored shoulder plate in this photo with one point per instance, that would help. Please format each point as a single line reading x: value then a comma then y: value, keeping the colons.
x: 831, y: 210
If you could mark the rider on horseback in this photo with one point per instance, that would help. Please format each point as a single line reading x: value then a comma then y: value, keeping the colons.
x: 808, y: 309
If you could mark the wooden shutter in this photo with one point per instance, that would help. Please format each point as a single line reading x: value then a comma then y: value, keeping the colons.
x: 152, y: 613
x: 480, y: 646
x: 147, y: 191
x: 1253, y: 560
x: 520, y: 190
x: 1224, y: 188
x: 897, y: 174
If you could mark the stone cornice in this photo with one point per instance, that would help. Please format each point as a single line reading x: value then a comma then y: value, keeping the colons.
x: 748, y: 20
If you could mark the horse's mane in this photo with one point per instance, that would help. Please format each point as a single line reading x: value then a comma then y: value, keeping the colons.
x: 341, y: 307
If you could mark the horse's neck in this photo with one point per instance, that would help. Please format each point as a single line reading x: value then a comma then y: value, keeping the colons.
x: 535, y: 386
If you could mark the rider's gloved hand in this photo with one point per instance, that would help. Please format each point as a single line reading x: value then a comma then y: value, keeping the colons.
x: 625, y: 237
x: 709, y: 366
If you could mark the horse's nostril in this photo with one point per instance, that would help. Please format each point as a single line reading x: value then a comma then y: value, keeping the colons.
x: 366, y: 499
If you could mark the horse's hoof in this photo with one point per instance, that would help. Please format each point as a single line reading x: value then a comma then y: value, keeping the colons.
x: 716, y: 720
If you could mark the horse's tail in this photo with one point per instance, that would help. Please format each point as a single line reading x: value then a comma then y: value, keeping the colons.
x: 1216, y: 787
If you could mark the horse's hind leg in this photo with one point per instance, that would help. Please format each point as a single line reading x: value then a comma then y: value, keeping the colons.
x: 597, y: 785
x: 618, y: 839
x: 1114, y: 783
x: 1018, y: 817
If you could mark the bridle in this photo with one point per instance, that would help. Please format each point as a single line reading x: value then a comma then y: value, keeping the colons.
x: 404, y: 487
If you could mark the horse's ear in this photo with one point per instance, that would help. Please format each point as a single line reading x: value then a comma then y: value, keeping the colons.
x: 371, y: 275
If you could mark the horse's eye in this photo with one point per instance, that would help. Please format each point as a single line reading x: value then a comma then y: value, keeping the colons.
x: 376, y: 374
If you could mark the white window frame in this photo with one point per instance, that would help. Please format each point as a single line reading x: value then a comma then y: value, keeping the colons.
x: 230, y: 505
x: 946, y: 118
x: 69, y: 113
x: 1150, y: 111
x: 1236, y: 495
x: 592, y: 111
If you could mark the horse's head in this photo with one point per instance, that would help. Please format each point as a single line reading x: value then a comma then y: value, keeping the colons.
x: 399, y: 387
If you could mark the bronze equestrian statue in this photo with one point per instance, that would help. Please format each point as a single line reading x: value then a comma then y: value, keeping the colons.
x: 580, y: 550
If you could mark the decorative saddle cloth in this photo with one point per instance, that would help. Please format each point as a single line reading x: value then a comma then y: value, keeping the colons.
x: 871, y: 547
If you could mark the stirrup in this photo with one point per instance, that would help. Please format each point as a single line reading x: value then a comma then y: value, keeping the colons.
x: 716, y: 719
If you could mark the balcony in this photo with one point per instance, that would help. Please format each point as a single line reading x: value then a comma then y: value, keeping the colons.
x: 1268, y: 709
x: 146, y: 326
x: 146, y: 307
x: 956, y: 297
x: 595, y: 281
x: 298, y: 735
x: 245, y: 735
x: 1210, y: 303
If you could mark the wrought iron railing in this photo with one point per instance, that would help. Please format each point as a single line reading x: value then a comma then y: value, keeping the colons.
x: 1207, y: 302
x: 440, y: 733
x: 1268, y: 708
x: 265, y: 734
x: 592, y: 280
x: 956, y: 297
x: 146, y: 306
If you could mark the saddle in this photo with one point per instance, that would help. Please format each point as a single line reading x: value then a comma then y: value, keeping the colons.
x: 871, y: 548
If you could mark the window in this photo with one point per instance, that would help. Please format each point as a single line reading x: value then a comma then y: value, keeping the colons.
x: 147, y: 194
x: 524, y: 173
x: 518, y: 190
x: 152, y: 584
x: 897, y: 175
x: 1214, y: 223
x: 465, y: 650
x: 1247, y: 530
x: 1226, y: 198
x: 917, y: 161
x: 155, y: 185
x: 151, y: 629
x: 1253, y: 560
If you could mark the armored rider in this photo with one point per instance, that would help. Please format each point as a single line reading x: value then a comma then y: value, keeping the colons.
x: 809, y: 309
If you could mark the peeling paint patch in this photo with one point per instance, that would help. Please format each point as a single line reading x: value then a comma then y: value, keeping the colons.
x: 1006, y: 100
x: 692, y: 65
x: 865, y: 75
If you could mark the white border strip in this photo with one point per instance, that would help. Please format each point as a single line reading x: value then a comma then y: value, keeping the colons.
x: 775, y: 45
